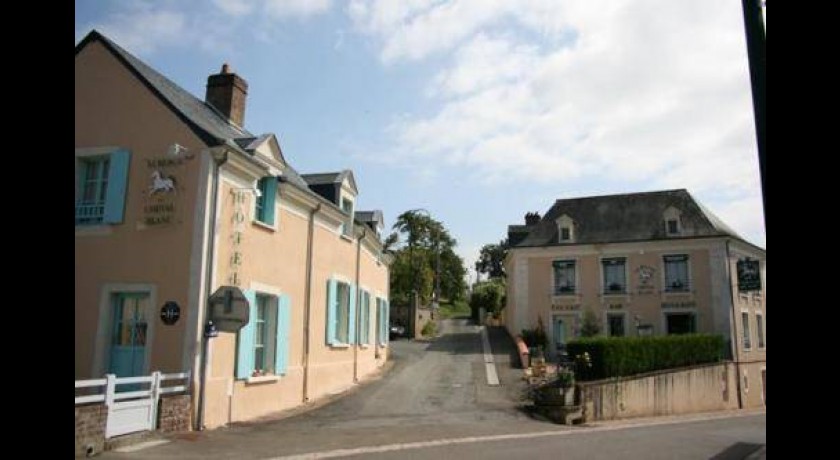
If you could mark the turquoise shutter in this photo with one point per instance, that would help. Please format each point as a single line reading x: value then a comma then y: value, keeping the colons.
x: 115, y: 193
x: 284, y: 327
x: 245, y: 345
x: 351, y: 336
x: 269, y: 199
x: 364, y: 334
x: 332, y: 315
x: 383, y: 330
x: 387, y: 317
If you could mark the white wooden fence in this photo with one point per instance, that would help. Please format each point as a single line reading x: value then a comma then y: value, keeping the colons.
x: 131, y: 411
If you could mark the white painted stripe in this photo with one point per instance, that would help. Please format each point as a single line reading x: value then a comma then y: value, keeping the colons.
x: 492, y: 376
x: 489, y: 362
x: 141, y: 446
x: 503, y: 437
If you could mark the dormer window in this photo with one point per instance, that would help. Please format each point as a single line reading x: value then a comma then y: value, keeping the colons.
x: 671, y: 218
x: 347, y: 207
x: 565, y: 229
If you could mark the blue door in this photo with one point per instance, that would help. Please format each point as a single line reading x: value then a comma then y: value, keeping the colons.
x: 128, y: 335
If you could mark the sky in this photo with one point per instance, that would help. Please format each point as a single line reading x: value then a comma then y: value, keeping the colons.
x: 477, y: 110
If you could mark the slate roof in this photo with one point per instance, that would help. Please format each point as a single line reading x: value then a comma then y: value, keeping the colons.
x: 375, y: 217
x: 617, y: 218
x: 209, y: 124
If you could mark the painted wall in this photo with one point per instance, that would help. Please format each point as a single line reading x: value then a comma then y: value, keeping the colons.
x: 112, y: 108
x: 697, y: 389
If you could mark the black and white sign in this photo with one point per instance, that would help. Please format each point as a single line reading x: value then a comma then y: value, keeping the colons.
x: 170, y: 312
x: 749, y: 275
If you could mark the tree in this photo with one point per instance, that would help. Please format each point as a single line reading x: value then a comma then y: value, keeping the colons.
x: 590, y: 327
x: 491, y: 260
x: 427, y: 258
x: 489, y: 295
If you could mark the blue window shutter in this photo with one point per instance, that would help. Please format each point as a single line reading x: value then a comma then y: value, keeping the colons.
x: 364, y: 333
x: 284, y: 327
x: 351, y: 337
x: 387, y: 317
x: 269, y: 199
x: 245, y: 345
x: 332, y: 314
x: 383, y: 330
x: 117, y: 180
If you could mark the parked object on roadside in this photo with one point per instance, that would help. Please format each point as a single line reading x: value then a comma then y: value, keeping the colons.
x: 396, y: 331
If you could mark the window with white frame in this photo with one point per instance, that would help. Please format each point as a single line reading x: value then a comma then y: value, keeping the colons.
x: 759, y: 329
x: 101, y: 192
x: 364, y: 320
x: 342, y: 320
x: 676, y: 273
x: 615, y: 276
x: 564, y: 277
x: 673, y: 226
x: 265, y: 334
x: 745, y: 326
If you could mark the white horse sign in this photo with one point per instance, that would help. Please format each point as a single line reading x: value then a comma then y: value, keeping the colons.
x: 162, y: 200
x: 161, y: 183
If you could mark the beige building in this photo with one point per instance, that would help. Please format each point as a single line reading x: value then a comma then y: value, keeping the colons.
x: 644, y: 264
x: 175, y: 199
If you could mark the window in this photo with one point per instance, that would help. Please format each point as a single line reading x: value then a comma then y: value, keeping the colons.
x: 564, y: 277
x: 382, y: 321
x: 565, y: 234
x: 759, y: 329
x: 364, y: 320
x: 615, y: 325
x: 265, y: 337
x: 673, y: 227
x: 341, y: 305
x: 263, y: 344
x: 676, y: 273
x: 347, y: 207
x: 265, y: 203
x: 100, y: 197
x: 680, y: 323
x: 614, y: 275
x: 745, y: 325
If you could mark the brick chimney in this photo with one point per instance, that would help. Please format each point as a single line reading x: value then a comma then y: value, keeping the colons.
x: 532, y: 218
x: 227, y: 92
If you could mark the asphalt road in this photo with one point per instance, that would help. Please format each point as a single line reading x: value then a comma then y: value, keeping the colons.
x: 435, y: 402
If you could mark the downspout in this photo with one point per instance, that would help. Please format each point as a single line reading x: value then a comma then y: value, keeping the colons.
x: 211, y: 236
x: 307, y: 310
x: 358, y: 306
x: 734, y: 330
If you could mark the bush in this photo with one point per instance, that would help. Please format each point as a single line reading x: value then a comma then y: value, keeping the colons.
x: 428, y: 329
x: 534, y: 338
x: 621, y: 356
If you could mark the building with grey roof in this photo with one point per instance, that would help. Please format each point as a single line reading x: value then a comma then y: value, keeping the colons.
x: 649, y: 263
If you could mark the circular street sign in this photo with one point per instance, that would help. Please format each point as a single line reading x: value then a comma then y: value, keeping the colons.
x: 170, y: 312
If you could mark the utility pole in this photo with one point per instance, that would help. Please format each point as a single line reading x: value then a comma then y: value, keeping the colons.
x: 754, y: 27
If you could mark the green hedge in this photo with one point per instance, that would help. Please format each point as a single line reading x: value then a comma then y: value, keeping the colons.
x: 620, y: 356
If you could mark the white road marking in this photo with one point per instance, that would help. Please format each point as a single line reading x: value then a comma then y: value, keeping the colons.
x: 489, y: 362
x: 503, y: 437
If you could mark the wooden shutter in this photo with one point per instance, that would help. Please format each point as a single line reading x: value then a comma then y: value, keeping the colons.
x: 115, y: 192
x: 245, y: 343
x: 284, y: 328
x: 332, y: 313
x: 269, y: 199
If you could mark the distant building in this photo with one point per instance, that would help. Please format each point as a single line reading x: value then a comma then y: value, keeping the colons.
x: 645, y: 264
x: 175, y: 198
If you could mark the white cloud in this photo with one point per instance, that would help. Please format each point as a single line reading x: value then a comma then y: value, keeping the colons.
x: 235, y: 7
x: 142, y: 28
x: 296, y: 8
x: 626, y: 94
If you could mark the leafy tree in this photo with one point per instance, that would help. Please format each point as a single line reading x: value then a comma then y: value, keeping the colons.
x: 491, y: 260
x: 590, y: 326
x: 428, y: 253
x: 489, y: 295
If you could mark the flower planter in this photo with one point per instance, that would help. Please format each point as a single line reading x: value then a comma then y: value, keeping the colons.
x: 555, y: 396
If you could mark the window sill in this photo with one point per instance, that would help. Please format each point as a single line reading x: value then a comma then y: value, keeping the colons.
x: 93, y: 230
x: 262, y: 379
x: 339, y: 345
x: 346, y: 237
x: 264, y: 225
x: 364, y: 346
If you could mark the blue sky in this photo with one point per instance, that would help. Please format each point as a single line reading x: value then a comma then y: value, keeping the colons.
x: 477, y: 110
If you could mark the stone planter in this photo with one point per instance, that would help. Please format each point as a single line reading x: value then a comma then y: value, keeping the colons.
x: 555, y: 396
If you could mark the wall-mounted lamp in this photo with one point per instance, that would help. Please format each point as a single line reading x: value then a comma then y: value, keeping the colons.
x: 176, y: 150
